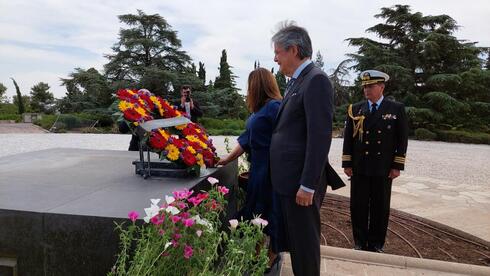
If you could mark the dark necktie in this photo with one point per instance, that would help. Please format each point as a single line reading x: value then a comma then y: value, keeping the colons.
x: 288, y: 86
x: 373, y: 108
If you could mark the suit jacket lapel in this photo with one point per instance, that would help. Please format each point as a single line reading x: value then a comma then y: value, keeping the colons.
x: 294, y: 88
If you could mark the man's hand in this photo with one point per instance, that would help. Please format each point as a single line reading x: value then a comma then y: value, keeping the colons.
x: 348, y: 171
x: 394, y: 173
x: 303, y: 198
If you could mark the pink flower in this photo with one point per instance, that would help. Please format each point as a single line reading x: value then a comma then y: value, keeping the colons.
x: 188, y: 222
x: 182, y: 194
x: 185, y: 215
x: 223, y: 190
x: 188, y: 251
x: 174, y: 243
x: 157, y: 220
x: 198, y: 198
x: 161, y: 232
x: 175, y: 219
x: 133, y: 216
x: 177, y: 236
x: 199, y: 233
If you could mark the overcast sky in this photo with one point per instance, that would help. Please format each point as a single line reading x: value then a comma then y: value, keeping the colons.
x: 46, y: 40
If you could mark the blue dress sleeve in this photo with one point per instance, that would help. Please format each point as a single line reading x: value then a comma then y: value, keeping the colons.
x: 272, y: 109
x: 244, y: 140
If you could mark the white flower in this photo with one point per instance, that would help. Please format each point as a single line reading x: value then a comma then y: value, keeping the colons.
x: 167, y: 245
x: 155, y: 201
x: 201, y: 221
x: 198, y: 233
x: 212, y: 180
x: 172, y: 210
x: 151, y: 212
x: 233, y: 223
x: 169, y: 199
x: 260, y: 222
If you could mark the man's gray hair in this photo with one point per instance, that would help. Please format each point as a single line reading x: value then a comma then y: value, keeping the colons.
x: 289, y: 34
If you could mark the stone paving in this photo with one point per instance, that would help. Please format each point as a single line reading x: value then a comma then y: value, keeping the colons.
x: 20, y: 128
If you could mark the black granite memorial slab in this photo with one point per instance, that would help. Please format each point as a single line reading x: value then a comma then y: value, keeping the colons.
x: 58, y: 206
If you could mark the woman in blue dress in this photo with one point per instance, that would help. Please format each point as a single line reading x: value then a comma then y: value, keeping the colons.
x: 263, y: 100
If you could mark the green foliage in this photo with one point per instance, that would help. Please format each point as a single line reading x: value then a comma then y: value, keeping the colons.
x: 46, y: 121
x: 225, y: 79
x: 41, y: 99
x: 148, y: 54
x: 86, y: 89
x: 281, y: 81
x: 459, y: 136
x: 3, y: 97
x: 10, y: 117
x: 223, y: 126
x: 445, y: 104
x: 425, y: 134
x: 8, y: 108
x: 435, y: 74
x: 19, y: 102
x: 423, y: 118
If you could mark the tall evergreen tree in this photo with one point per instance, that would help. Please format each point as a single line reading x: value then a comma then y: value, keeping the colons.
x: 281, y: 81
x: 3, y: 89
x: 202, y: 73
x: 226, y: 79
x: 429, y: 68
x: 41, y: 99
x: 149, y: 54
x: 20, y: 102
x: 319, y: 60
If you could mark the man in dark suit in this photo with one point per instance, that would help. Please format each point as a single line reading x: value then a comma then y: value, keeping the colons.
x: 187, y: 104
x: 375, y: 144
x: 300, y: 145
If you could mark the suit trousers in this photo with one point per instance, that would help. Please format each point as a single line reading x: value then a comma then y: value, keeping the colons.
x: 303, y: 233
x: 370, y: 209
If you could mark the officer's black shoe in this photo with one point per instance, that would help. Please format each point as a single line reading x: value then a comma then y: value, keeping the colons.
x: 378, y: 249
x: 359, y: 247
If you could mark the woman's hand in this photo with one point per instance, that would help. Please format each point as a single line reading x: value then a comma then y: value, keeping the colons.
x: 223, y: 162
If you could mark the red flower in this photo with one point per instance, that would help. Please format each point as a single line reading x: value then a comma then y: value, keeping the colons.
x: 179, y: 143
x: 157, y: 141
x: 189, y: 158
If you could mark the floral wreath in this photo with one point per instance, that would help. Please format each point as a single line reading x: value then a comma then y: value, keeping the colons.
x: 187, y: 144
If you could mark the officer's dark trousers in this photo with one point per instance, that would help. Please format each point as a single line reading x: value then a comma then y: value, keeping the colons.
x: 303, y: 233
x: 370, y: 209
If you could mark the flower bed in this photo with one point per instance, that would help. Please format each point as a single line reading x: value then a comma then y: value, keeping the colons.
x: 183, y: 236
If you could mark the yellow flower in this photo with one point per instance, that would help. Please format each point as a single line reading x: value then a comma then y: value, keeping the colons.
x: 173, y: 152
x: 131, y: 91
x: 164, y: 133
x: 141, y: 110
x: 192, y: 138
x: 191, y: 150
x: 124, y: 105
x: 136, y: 123
x: 155, y: 100
x: 200, y: 160
x: 181, y: 127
